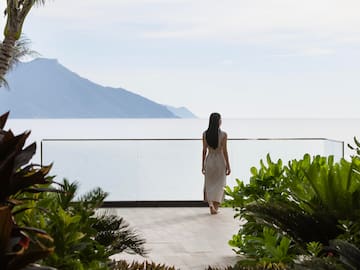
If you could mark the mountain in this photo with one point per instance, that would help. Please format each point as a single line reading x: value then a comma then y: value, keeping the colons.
x: 43, y: 88
x: 181, y: 112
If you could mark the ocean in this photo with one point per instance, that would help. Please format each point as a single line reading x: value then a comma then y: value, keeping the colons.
x: 160, y: 159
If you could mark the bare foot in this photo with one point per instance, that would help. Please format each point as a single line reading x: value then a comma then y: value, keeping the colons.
x: 213, y: 210
x: 216, y: 206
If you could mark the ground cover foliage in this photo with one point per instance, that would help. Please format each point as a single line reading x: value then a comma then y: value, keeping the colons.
x: 299, y: 215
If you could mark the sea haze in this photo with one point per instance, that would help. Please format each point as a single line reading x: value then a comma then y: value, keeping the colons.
x: 43, y: 88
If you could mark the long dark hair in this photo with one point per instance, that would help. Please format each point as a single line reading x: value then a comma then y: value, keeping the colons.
x: 212, y: 133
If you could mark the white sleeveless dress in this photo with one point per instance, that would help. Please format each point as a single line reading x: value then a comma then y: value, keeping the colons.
x: 215, y: 172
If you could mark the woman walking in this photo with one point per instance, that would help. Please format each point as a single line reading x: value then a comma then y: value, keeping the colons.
x: 215, y: 163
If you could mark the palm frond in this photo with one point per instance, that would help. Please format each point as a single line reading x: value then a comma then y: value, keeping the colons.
x: 40, y: 2
x: 114, y: 232
x: 22, y: 49
x: 20, y: 52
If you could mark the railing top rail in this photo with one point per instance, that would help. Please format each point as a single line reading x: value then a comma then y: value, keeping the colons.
x: 190, y: 139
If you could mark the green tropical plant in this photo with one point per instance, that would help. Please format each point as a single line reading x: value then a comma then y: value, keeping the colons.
x: 303, y: 201
x: 268, y: 247
x: 291, y: 220
x: 323, y: 185
x: 350, y: 231
x: 314, y: 248
x: 266, y: 184
x: 84, y: 236
x: 275, y: 246
x: 114, y: 233
x: 19, y: 245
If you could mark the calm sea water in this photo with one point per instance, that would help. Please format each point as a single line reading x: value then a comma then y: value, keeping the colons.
x: 160, y: 159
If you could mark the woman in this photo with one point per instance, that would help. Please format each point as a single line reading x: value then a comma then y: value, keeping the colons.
x: 215, y: 163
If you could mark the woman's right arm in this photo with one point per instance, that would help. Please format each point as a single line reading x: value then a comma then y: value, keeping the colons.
x: 204, y: 152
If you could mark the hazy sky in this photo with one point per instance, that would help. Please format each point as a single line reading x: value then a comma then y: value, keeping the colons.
x: 243, y: 58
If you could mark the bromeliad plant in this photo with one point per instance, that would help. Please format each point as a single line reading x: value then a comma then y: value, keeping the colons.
x: 19, y: 245
x: 309, y: 200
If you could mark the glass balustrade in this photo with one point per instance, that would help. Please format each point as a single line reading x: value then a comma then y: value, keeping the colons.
x: 164, y: 169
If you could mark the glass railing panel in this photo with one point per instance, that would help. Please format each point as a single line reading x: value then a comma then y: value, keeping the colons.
x: 164, y: 169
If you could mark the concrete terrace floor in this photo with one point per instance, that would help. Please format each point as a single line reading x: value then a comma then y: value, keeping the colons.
x: 187, y: 238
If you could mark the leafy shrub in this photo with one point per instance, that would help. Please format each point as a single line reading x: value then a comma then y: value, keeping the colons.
x: 83, y: 238
x: 350, y: 231
x: 269, y: 246
x: 302, y: 202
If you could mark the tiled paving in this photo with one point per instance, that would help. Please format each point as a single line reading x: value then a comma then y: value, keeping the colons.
x: 187, y: 238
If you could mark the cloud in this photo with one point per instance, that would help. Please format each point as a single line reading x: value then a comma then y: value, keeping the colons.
x: 318, y: 51
x: 238, y: 21
x: 311, y: 52
x: 227, y: 62
x: 259, y: 21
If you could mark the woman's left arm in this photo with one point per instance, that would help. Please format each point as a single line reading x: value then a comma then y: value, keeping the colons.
x: 226, y: 155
